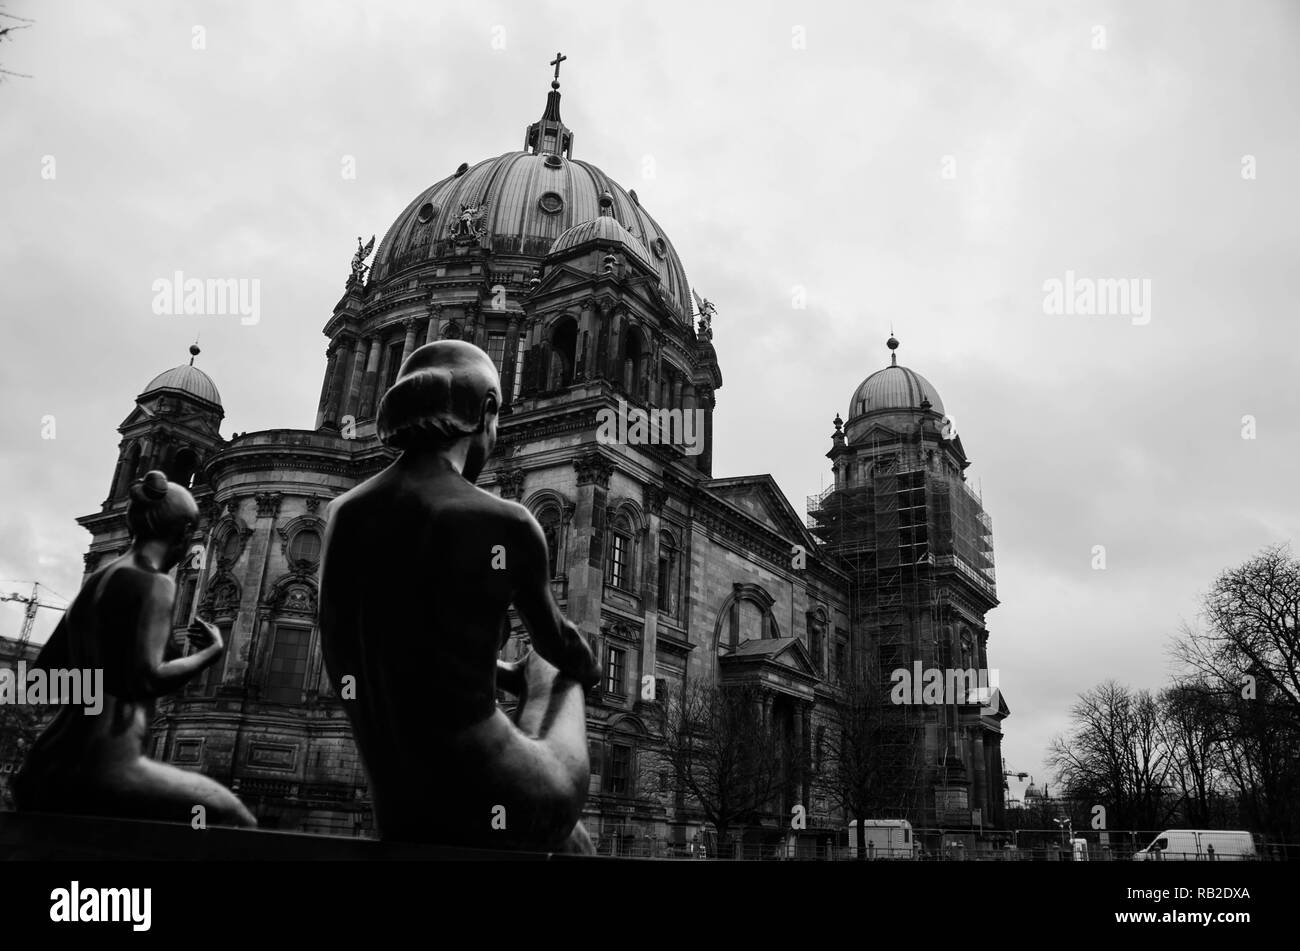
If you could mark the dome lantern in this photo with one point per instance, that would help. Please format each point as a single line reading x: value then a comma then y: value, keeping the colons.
x: 549, y: 135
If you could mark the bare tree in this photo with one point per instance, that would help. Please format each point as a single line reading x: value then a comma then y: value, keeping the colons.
x: 9, y: 22
x: 20, y: 726
x: 1251, y: 636
x: 1192, y: 731
x: 871, y: 754
x: 722, y: 754
x: 1116, y: 755
x: 1246, y: 661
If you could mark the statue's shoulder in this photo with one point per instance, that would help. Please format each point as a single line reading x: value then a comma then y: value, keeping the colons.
x: 127, y: 581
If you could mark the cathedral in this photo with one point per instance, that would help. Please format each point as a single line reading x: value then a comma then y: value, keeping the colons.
x: 674, y: 574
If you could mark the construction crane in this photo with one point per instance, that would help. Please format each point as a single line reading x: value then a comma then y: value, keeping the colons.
x: 29, y: 613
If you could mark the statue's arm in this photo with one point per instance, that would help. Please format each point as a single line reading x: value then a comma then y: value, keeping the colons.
x: 153, y: 631
x: 554, y: 636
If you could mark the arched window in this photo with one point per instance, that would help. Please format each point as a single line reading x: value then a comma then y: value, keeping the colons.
x: 817, y: 624
x: 549, y: 519
x: 305, y: 546
x: 633, y: 361
x: 130, y: 469
x: 666, y: 576
x: 564, y: 344
x: 184, y: 466
x: 231, y: 545
x: 619, y: 565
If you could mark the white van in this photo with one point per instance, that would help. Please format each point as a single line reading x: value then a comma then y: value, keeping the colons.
x: 885, y: 839
x: 1199, y: 845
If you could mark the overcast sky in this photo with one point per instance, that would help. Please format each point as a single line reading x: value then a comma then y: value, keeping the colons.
x: 925, y: 165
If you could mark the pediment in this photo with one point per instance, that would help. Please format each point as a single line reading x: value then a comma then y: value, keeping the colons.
x: 759, y: 497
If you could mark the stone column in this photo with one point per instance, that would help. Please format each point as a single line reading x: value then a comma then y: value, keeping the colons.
x: 509, y: 359
x: 585, y: 370
x: 408, y: 345
x: 587, y: 561
x: 805, y: 753
x: 352, y: 404
x: 707, y: 403
x: 435, y: 317
x: 979, y: 788
x: 370, y: 381
x: 334, y: 404
x: 617, y: 324
x: 472, y: 323
x: 654, y: 498
x: 331, y: 360
x: 800, y: 774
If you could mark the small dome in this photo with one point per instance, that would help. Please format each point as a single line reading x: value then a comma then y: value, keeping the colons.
x: 894, y: 388
x: 186, y: 379
x: 604, y: 228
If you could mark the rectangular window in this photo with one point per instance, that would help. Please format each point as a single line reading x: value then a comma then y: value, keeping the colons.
x: 618, y: 562
x: 841, y: 661
x: 519, y: 369
x: 614, y: 666
x: 496, y: 348
x: 620, y: 769
x: 288, y: 673
x: 663, y: 603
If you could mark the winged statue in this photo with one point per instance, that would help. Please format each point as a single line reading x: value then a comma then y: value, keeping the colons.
x: 704, y: 310
x: 359, y: 266
x: 468, y: 223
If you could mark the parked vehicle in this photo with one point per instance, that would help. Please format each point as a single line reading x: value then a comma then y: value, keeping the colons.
x: 885, y: 839
x: 1199, y: 845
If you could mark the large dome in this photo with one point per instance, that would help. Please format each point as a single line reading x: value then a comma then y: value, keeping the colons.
x: 186, y: 379
x: 521, y: 203
x: 894, y: 388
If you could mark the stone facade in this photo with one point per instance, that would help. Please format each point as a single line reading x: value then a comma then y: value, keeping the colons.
x: 674, y: 576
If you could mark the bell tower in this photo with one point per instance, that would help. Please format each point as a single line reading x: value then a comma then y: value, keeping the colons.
x: 175, y: 426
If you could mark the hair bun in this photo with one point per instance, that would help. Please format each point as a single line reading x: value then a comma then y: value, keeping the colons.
x: 151, y: 488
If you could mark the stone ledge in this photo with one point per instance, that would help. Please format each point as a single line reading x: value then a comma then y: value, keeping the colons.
x: 47, y: 836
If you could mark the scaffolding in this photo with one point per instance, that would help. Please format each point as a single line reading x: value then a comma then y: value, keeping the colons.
x: 898, y: 532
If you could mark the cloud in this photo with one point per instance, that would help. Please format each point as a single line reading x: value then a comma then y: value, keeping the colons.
x: 773, y: 166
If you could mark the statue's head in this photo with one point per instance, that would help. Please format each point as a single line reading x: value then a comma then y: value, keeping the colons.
x: 446, y: 392
x: 162, y: 511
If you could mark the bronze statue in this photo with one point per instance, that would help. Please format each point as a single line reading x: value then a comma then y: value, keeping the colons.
x: 121, y: 623
x: 359, y: 266
x: 419, y: 570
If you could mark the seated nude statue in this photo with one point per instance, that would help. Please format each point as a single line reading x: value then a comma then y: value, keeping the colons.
x: 121, y: 623
x: 419, y: 570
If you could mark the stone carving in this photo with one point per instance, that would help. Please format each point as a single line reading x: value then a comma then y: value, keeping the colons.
x: 511, y: 482
x: 593, y: 468
x: 655, y: 497
x: 468, y: 226
x: 268, y: 504
x: 359, y: 266
x: 446, y: 764
x: 90, y: 760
